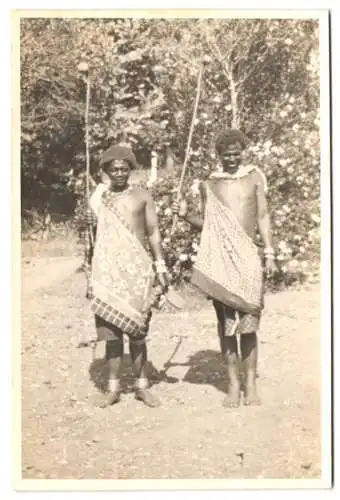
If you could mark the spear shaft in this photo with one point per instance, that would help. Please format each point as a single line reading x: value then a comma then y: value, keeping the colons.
x: 187, y: 153
x: 87, y: 148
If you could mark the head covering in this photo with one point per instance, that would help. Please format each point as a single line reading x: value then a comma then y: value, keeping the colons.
x: 119, y: 153
x: 228, y: 137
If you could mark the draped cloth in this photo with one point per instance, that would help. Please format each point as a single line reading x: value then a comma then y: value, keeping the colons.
x: 228, y: 266
x: 122, y: 271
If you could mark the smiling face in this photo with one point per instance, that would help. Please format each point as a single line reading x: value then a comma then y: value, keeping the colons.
x: 231, y: 157
x: 118, y: 172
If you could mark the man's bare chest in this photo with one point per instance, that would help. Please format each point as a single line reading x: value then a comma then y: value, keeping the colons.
x: 129, y: 204
x: 234, y: 192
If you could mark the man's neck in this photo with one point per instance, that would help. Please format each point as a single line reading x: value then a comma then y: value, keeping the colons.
x: 227, y: 174
x: 230, y: 171
x: 119, y: 189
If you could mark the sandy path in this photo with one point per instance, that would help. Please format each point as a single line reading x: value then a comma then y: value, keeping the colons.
x: 191, y: 436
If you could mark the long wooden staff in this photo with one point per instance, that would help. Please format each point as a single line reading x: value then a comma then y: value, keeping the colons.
x: 87, y: 146
x: 89, y: 236
x: 187, y: 153
x: 83, y: 69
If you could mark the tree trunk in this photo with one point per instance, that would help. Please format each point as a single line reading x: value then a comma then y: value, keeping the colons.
x: 235, y: 123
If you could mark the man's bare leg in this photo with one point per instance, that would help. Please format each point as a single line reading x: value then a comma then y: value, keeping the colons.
x: 114, y: 356
x: 138, y: 353
x: 230, y: 354
x: 249, y: 352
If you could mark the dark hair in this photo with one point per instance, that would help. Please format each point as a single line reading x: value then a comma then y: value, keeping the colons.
x: 118, y: 153
x: 228, y: 137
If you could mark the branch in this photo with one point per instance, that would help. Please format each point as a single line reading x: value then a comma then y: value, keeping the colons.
x: 213, y: 47
x: 255, y: 66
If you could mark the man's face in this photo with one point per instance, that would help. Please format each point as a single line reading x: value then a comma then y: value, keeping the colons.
x: 118, y: 172
x: 231, y: 157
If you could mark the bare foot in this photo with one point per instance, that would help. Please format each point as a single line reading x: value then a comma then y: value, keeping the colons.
x: 232, y: 399
x: 231, y: 402
x: 110, y: 399
x: 251, y: 398
x: 147, y: 398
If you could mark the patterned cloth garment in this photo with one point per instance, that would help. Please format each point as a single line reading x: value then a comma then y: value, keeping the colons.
x: 122, y: 271
x: 228, y: 266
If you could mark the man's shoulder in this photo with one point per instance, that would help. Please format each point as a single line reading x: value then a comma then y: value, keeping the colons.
x: 259, y: 177
x: 252, y: 171
x: 255, y: 169
x: 141, y: 193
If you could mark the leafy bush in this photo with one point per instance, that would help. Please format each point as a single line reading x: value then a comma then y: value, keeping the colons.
x: 294, y: 207
x: 262, y: 76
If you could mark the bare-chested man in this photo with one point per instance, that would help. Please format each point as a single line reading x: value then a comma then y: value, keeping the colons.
x: 228, y: 267
x: 122, y: 271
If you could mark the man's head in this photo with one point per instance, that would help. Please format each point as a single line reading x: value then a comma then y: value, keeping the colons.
x: 117, y: 163
x: 229, y: 146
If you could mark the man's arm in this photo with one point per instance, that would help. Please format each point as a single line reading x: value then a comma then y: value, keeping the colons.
x: 152, y: 229
x: 154, y: 236
x: 263, y: 217
x: 197, y: 220
x: 264, y: 225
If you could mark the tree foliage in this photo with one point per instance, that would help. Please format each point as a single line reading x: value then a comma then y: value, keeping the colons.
x: 263, y: 77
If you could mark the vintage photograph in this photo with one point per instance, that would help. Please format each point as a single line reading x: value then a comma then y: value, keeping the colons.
x: 171, y: 234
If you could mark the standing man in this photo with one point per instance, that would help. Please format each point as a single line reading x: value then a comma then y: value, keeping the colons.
x: 122, y: 272
x: 228, y: 267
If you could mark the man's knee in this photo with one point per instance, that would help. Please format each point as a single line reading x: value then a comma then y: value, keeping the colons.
x: 229, y: 345
x: 249, y: 338
x: 114, y: 347
x: 137, y: 340
x: 248, y: 343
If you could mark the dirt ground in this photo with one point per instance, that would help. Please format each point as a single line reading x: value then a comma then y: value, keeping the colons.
x: 66, y: 436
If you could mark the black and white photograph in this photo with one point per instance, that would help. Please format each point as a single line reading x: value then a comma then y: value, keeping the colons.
x: 174, y: 174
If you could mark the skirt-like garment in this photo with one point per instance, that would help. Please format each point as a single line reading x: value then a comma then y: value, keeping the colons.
x: 227, y: 320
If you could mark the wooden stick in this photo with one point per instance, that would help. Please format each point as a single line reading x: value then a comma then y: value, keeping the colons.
x: 87, y: 145
x: 187, y: 153
x: 87, y: 107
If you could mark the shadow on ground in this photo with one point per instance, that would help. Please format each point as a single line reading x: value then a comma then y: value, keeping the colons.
x: 208, y: 367
x: 99, y: 374
x: 204, y: 367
